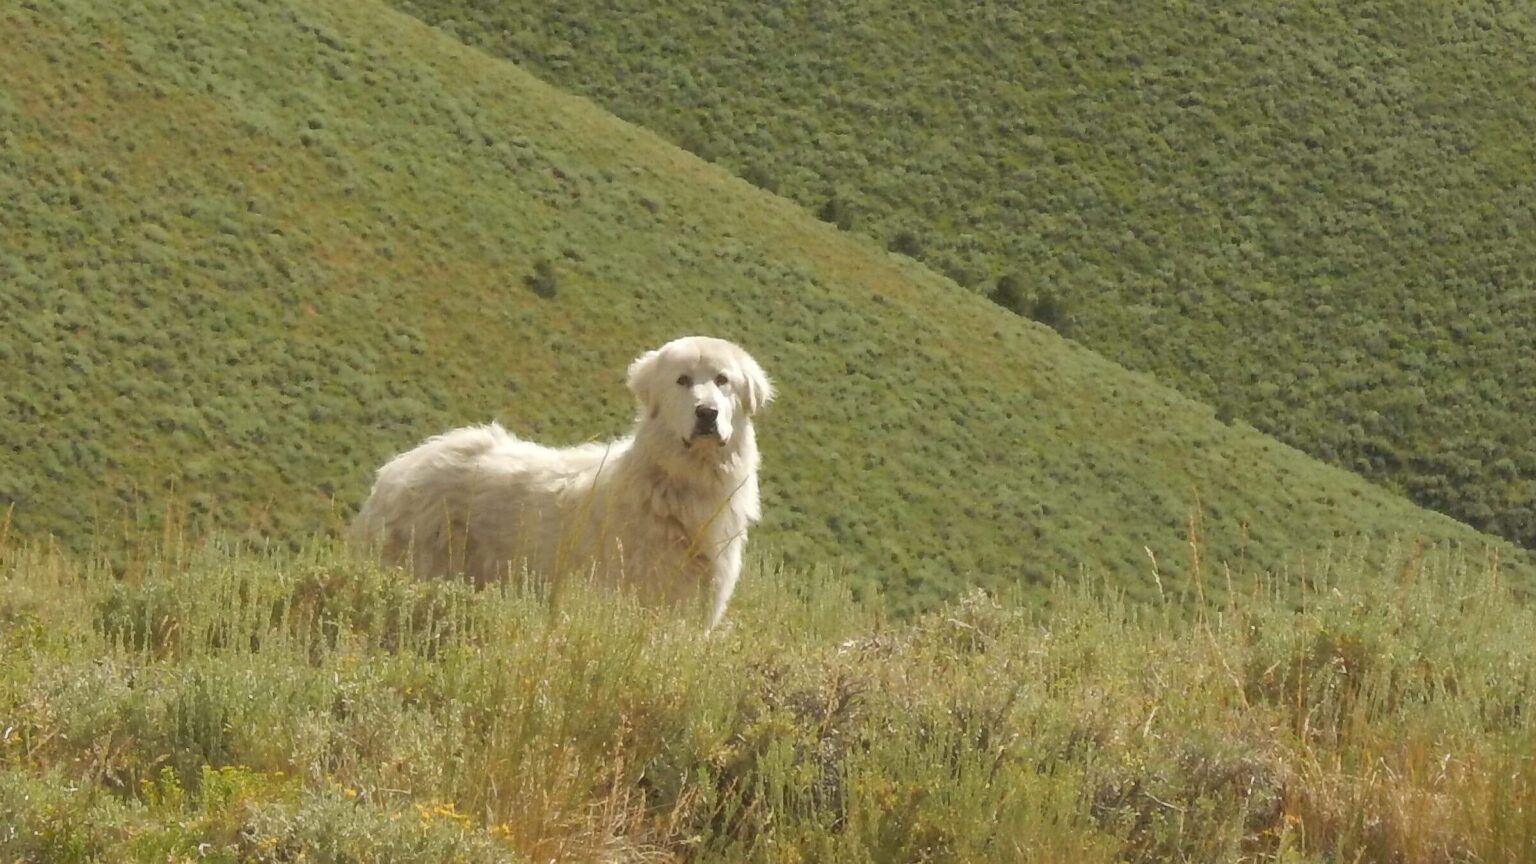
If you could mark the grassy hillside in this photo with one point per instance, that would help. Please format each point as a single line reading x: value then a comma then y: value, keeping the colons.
x: 301, y: 708
x: 1320, y: 217
x: 248, y: 253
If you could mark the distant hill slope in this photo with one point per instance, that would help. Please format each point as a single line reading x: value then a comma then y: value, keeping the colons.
x: 249, y: 252
x: 1321, y: 217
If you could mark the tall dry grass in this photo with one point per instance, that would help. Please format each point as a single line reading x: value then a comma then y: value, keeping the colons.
x: 229, y: 705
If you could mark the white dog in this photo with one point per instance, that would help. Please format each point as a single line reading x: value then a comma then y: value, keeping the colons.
x: 664, y: 511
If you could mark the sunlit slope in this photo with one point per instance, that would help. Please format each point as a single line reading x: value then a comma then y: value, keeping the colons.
x: 248, y: 252
x: 1319, y: 216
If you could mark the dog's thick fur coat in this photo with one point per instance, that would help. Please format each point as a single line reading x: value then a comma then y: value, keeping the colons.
x: 664, y: 511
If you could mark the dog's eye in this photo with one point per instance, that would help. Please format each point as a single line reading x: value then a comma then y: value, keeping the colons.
x: 721, y: 380
x: 684, y: 381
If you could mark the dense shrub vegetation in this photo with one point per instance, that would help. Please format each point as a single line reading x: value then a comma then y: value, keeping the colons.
x: 247, y: 254
x: 1320, y: 216
x: 237, y: 707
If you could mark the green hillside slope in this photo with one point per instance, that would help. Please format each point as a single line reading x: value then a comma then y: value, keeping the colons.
x: 248, y: 253
x: 1319, y: 216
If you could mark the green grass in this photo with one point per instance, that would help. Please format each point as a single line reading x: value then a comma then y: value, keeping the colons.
x: 300, y: 706
x: 1316, y: 216
x: 249, y: 253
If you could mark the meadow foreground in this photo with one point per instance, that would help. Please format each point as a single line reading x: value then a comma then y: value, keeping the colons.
x: 231, y: 706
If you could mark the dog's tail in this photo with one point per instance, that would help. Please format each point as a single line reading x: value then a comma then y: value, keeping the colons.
x: 367, y: 526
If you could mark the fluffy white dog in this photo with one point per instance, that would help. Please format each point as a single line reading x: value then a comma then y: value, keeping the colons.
x: 664, y: 511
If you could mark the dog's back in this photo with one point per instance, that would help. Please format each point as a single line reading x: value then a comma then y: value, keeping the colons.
x: 418, y: 510
x: 477, y: 500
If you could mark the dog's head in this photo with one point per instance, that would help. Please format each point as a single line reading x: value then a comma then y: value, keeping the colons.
x: 701, y: 390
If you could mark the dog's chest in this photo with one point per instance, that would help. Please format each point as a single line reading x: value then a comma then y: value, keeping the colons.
x: 691, y: 520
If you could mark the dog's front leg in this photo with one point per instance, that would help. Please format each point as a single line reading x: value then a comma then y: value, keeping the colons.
x: 723, y: 575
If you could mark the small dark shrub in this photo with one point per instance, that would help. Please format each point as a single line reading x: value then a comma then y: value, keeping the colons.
x: 906, y: 243
x: 1050, y: 311
x: 960, y: 274
x: 542, y: 280
x: 837, y: 212
x: 758, y: 176
x: 1008, y: 293
x: 700, y: 145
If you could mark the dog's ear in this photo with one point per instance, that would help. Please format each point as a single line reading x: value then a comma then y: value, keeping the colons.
x: 642, y: 379
x: 759, y: 390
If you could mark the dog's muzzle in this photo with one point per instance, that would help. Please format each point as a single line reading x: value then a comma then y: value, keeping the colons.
x: 705, y: 422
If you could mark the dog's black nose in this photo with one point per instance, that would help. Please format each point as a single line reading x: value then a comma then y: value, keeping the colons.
x: 705, y: 413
